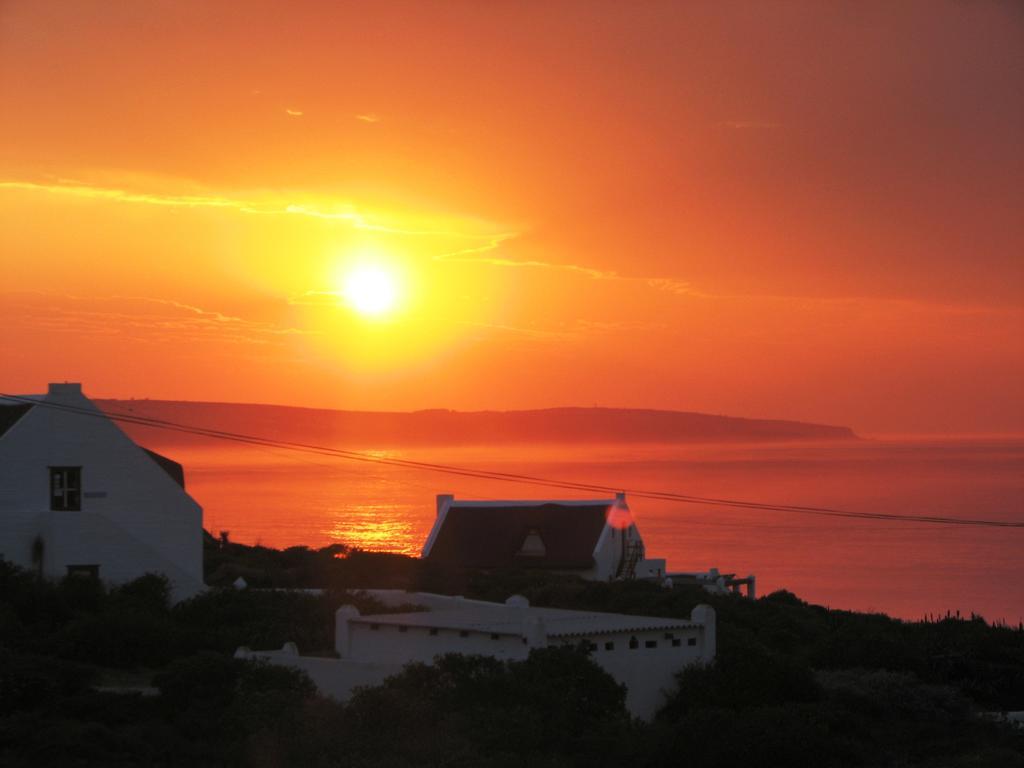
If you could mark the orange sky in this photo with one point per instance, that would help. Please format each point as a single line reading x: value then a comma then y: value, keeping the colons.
x: 782, y: 209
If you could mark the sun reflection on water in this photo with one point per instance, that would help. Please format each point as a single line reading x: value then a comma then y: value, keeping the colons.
x: 376, y: 528
x: 281, y: 502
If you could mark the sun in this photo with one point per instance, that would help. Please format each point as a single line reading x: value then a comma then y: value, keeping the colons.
x: 370, y: 290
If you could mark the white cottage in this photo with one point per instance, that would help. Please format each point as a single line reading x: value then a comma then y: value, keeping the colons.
x: 78, y: 496
x: 642, y: 652
x: 595, y: 538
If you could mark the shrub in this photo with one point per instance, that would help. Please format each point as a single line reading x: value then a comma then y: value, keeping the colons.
x: 28, y: 681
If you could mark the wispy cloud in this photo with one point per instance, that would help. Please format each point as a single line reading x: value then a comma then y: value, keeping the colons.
x: 293, y: 112
x: 611, y: 326
x: 894, y: 304
x: 368, y: 117
x: 477, y: 255
x: 203, y: 313
x: 316, y: 299
x: 345, y: 213
x: 579, y: 330
x: 124, y: 196
x: 678, y: 287
x: 747, y: 125
x: 530, y: 332
x: 482, y: 248
x: 142, y: 318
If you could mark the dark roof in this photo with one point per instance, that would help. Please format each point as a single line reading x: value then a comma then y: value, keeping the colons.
x: 9, y: 415
x: 493, y: 536
x: 169, y: 466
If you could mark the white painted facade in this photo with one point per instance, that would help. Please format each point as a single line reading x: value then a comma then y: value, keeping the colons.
x: 644, y: 653
x: 134, y: 518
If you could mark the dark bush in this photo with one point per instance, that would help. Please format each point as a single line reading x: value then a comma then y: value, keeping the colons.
x: 793, y: 684
x: 745, y: 675
x: 557, y: 707
x: 28, y: 681
x: 207, y: 678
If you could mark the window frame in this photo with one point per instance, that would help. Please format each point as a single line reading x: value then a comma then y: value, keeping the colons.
x: 70, y: 493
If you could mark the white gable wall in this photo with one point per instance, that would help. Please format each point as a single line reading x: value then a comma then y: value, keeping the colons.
x: 609, y: 551
x: 144, y: 522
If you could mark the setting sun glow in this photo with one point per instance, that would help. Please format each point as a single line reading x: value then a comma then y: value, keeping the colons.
x: 409, y: 206
x: 370, y: 290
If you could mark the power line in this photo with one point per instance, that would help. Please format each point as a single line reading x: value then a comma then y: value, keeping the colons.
x: 451, y: 469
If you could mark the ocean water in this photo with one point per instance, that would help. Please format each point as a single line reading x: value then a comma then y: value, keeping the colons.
x: 279, y: 499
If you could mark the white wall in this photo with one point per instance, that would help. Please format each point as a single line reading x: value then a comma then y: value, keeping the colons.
x: 388, y: 643
x: 648, y: 673
x: 145, y: 522
x: 609, y: 549
x: 369, y: 655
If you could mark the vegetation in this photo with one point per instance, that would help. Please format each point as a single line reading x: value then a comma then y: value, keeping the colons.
x: 90, y: 676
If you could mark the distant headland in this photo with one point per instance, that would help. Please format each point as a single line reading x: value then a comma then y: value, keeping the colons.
x: 445, y: 427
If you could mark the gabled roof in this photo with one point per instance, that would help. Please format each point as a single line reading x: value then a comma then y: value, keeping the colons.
x: 10, y: 414
x: 493, y: 534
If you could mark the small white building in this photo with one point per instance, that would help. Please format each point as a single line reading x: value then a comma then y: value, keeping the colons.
x: 78, y: 496
x: 642, y: 652
x: 594, y: 538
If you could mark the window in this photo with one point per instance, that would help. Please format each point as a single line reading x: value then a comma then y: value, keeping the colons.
x: 65, y: 489
x: 464, y: 633
x: 375, y: 626
x: 402, y: 628
x: 494, y: 636
x: 433, y: 630
x: 86, y: 571
x: 651, y: 644
x: 633, y: 643
x: 691, y: 641
x: 669, y: 635
x: 676, y: 642
x: 609, y: 646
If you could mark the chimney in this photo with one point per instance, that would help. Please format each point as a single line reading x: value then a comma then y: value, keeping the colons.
x: 62, y: 390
